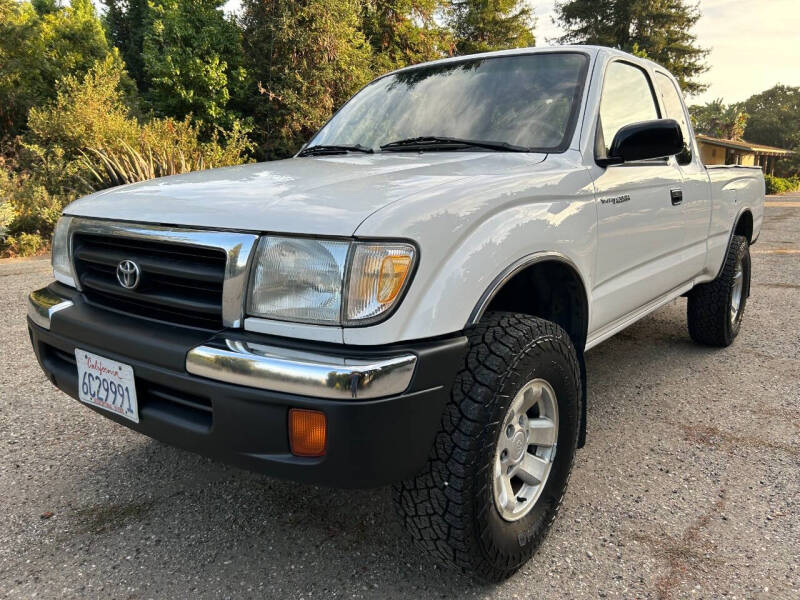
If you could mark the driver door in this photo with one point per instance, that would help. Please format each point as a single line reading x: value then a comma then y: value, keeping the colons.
x: 640, y: 230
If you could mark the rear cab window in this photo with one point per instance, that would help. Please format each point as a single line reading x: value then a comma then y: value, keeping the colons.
x: 673, y: 107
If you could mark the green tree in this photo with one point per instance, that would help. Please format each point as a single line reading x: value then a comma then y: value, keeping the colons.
x: 775, y: 121
x: 192, y: 60
x: 44, y: 7
x: 40, y: 45
x: 774, y: 117
x: 125, y: 22
x: 404, y: 32
x: 658, y: 29
x: 304, y: 59
x: 719, y: 120
x: 485, y: 25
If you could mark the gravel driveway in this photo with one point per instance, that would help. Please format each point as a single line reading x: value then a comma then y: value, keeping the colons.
x: 689, y: 485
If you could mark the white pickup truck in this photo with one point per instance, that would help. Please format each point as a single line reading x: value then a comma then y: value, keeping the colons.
x: 408, y: 300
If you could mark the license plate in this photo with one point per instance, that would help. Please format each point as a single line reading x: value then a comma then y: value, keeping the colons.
x: 107, y: 383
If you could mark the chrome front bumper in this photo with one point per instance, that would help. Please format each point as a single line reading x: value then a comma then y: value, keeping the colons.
x: 43, y: 304
x: 274, y: 368
x: 303, y: 373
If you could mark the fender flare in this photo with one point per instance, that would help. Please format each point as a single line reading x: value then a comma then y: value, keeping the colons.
x: 504, y: 277
x: 513, y: 269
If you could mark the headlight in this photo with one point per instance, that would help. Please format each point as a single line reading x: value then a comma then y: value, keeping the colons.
x: 328, y: 282
x: 298, y: 279
x: 62, y: 265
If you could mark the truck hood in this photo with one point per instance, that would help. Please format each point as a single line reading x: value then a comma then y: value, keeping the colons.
x: 315, y: 195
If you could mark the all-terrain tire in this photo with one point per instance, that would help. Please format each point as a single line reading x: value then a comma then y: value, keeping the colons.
x: 449, y: 508
x: 709, y: 307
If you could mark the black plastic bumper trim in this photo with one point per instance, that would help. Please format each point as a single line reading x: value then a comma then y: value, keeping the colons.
x: 370, y: 442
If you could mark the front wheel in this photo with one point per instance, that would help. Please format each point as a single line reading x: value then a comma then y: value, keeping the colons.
x: 715, y: 309
x: 500, y: 463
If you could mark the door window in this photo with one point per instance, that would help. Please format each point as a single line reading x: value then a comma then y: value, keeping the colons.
x: 627, y: 98
x: 674, y: 110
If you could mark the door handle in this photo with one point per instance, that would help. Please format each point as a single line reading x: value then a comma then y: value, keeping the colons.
x: 676, y: 195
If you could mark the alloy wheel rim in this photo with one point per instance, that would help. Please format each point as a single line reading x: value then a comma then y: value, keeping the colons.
x: 526, y: 449
x: 736, y: 291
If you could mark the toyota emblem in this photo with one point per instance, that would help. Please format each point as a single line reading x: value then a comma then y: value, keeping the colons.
x: 128, y: 274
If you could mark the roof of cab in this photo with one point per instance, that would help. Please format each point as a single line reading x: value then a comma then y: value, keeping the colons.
x: 592, y: 51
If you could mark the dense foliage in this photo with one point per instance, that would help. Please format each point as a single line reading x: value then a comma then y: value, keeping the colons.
x: 69, y: 136
x: 771, y: 118
x: 484, y: 25
x: 192, y: 60
x: 155, y: 87
x: 660, y: 30
x: 41, y: 43
x: 775, y: 121
x: 404, y: 32
x: 719, y: 120
x: 303, y: 60
x: 781, y: 185
x: 125, y: 25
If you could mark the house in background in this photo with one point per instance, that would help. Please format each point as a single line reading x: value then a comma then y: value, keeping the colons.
x: 718, y: 151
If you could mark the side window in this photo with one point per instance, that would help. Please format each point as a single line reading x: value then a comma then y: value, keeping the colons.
x: 627, y: 98
x: 674, y: 109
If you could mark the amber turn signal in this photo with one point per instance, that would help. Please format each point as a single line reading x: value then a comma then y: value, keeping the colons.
x: 307, y: 432
x: 394, y: 270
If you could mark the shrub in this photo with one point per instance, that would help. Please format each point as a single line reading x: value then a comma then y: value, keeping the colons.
x: 86, y: 139
x: 28, y: 213
x: 165, y: 147
x: 781, y: 185
x: 6, y: 215
x: 87, y: 111
x: 25, y: 244
x: 7, y: 212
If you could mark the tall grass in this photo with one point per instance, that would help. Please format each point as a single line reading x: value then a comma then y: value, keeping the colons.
x: 126, y: 164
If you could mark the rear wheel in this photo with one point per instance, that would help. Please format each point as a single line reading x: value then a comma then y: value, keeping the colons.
x: 499, y: 467
x: 715, y: 309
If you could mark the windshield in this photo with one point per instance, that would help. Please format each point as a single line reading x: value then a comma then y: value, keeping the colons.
x: 528, y: 100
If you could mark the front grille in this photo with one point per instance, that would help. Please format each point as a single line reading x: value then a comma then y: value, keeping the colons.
x: 179, y: 283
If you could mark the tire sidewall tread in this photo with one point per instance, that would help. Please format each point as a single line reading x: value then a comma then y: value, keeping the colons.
x: 449, y: 507
x: 708, y: 306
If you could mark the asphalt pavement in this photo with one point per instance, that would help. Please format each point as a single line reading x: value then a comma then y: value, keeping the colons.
x: 689, y: 486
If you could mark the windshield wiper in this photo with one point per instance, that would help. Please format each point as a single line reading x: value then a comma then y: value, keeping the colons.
x: 434, y: 142
x: 322, y: 149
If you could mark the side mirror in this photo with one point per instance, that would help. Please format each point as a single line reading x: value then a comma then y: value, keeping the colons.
x: 647, y: 139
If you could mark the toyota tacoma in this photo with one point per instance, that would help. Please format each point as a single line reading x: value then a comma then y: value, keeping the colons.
x: 409, y: 299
